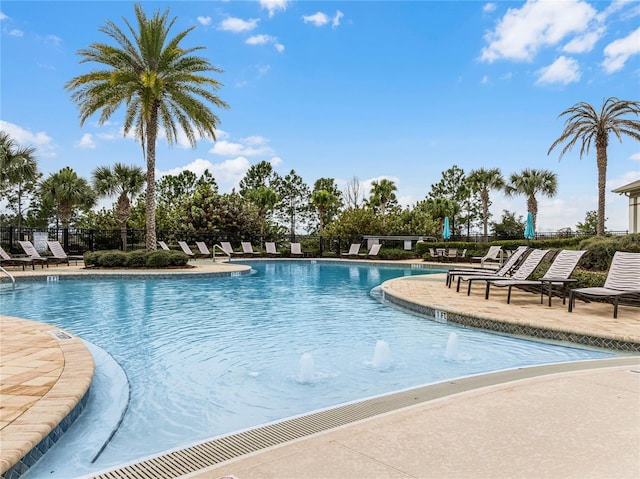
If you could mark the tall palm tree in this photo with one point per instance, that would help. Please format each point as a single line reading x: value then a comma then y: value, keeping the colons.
x: 65, y: 190
x: 584, y: 124
x: 157, y: 81
x: 125, y: 181
x: 531, y: 182
x: 382, y: 194
x: 18, y: 170
x: 322, y: 201
x: 482, y: 181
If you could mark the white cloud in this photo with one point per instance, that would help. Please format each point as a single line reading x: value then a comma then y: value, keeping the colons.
x: 319, y: 19
x: 584, y: 43
x: 635, y: 156
x: 41, y: 141
x: 521, y: 33
x: 54, y: 39
x: 274, y: 5
x: 275, y: 161
x: 237, y: 25
x: 484, y: 80
x: 336, y: 19
x: 489, y: 7
x: 619, y: 51
x: 227, y: 174
x: 3, y: 16
x: 204, y: 21
x: 16, y: 33
x: 564, y: 70
x: 265, y: 40
x: 227, y: 148
x: 86, y: 141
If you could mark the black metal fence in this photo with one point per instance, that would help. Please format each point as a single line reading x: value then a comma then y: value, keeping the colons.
x: 78, y: 241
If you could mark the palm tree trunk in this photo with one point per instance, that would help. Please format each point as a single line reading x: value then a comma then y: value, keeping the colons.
x: 532, y: 206
x: 484, y: 197
x: 601, y: 160
x: 150, y: 205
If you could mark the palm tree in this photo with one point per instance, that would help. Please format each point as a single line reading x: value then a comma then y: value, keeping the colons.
x: 482, y: 181
x: 586, y: 125
x: 531, y: 182
x: 65, y: 190
x: 19, y: 169
x: 382, y: 194
x: 157, y: 81
x: 125, y: 181
x: 322, y: 201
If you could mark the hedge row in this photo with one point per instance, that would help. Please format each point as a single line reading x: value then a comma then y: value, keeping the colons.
x: 135, y: 259
x: 598, y: 256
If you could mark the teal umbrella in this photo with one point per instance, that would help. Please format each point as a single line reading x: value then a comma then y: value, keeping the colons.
x: 529, y: 232
x: 446, y: 230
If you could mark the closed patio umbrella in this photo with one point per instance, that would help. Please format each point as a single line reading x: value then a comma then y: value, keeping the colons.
x: 446, y: 229
x: 529, y: 232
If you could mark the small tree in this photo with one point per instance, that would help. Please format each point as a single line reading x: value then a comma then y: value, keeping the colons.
x: 590, y: 224
x: 66, y: 191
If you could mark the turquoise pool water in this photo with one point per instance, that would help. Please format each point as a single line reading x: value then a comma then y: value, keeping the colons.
x: 207, y: 357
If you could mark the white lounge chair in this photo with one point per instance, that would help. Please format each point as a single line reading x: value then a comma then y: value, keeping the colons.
x: 186, y: 249
x: 227, y: 248
x: 271, y: 249
x: 501, y: 272
x: 623, y: 282
x: 7, y: 260
x: 493, y: 255
x: 58, y: 252
x: 524, y: 270
x: 296, y: 250
x: 373, y: 252
x: 203, y: 249
x: 354, y: 251
x: 33, y: 253
x: 557, y: 276
x: 164, y: 246
x: 247, y: 249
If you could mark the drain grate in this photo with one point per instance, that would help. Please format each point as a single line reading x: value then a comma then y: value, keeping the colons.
x: 195, y: 458
x: 60, y: 335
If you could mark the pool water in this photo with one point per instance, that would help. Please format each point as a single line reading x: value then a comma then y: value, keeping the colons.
x: 210, y: 356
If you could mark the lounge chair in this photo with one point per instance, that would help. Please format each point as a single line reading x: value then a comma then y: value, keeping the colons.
x: 227, y: 248
x: 493, y: 255
x: 186, y: 249
x: 59, y: 253
x: 296, y: 250
x: 354, y: 251
x: 203, y: 249
x: 433, y: 255
x: 623, y: 282
x: 451, y: 254
x: 32, y: 253
x: 7, y: 260
x: 523, y: 271
x: 557, y: 276
x: 503, y: 271
x: 164, y: 246
x: 247, y: 249
x: 373, y: 251
x: 271, y: 249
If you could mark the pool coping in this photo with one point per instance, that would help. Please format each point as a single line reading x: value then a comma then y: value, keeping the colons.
x: 243, y: 269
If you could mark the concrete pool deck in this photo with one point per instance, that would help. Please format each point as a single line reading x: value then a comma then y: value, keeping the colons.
x: 580, y: 422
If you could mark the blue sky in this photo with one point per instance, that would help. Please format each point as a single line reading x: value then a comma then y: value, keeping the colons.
x: 398, y: 90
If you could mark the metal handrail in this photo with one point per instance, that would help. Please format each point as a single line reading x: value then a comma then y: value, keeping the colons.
x: 221, y: 249
x: 8, y: 274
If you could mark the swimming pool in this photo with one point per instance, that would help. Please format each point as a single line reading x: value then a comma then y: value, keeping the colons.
x: 207, y: 357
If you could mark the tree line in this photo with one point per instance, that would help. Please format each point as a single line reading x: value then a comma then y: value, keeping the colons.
x: 157, y: 82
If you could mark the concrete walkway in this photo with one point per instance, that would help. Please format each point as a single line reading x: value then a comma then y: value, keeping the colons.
x: 581, y: 422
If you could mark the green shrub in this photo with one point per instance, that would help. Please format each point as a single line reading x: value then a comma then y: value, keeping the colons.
x: 91, y: 258
x: 588, y: 279
x: 113, y: 259
x: 177, y: 258
x: 137, y: 259
x: 396, y: 254
x: 158, y: 259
